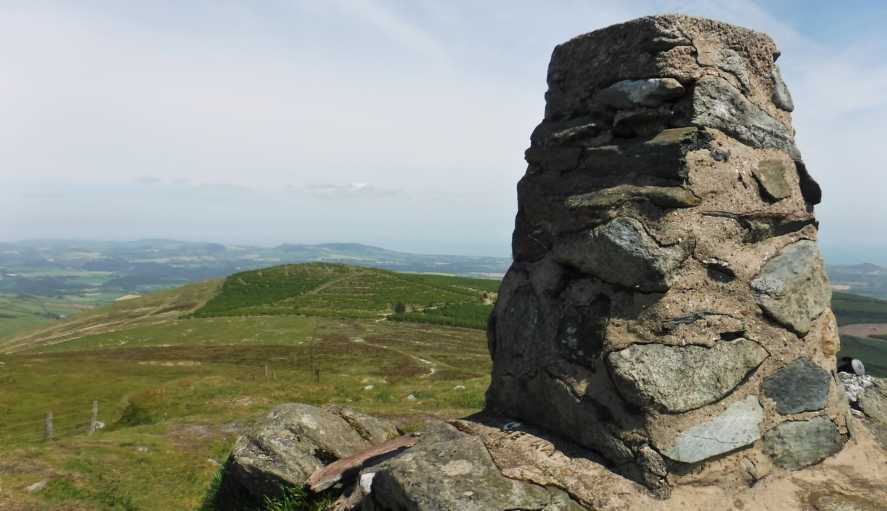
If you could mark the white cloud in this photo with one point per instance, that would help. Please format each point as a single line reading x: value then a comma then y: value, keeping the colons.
x: 429, y: 104
x: 348, y: 191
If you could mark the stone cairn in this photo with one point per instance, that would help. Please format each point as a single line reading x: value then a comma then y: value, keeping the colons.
x: 667, y: 306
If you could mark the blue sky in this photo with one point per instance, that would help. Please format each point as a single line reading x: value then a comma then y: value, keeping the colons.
x: 400, y: 124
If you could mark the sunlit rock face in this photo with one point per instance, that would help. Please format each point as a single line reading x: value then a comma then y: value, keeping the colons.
x: 668, y: 305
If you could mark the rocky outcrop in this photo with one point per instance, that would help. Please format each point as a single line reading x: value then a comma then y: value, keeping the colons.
x: 289, y: 445
x: 449, y: 469
x: 668, y: 306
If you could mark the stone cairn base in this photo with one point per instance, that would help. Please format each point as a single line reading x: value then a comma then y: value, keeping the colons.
x: 667, y: 306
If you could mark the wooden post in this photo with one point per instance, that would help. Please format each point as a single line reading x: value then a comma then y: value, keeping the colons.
x: 94, y: 418
x: 48, y: 430
x: 316, y: 375
x: 266, y: 371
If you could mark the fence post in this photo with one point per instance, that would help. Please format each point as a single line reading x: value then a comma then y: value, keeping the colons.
x: 266, y: 371
x: 94, y: 419
x: 48, y: 430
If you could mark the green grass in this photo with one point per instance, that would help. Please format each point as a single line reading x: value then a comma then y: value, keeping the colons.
x: 175, y: 394
x: 852, y: 309
x: 873, y: 352
x: 21, y: 312
x: 152, y: 309
x: 333, y: 290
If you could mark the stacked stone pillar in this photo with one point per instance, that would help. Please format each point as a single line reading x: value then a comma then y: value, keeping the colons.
x: 668, y: 306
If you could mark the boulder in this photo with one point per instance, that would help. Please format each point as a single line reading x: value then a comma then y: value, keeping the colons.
x: 793, y: 288
x: 680, y: 379
x: 797, y: 444
x: 801, y: 386
x: 291, y: 443
x: 449, y: 470
x: 738, y: 426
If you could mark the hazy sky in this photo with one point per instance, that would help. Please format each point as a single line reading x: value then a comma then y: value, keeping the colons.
x: 400, y: 123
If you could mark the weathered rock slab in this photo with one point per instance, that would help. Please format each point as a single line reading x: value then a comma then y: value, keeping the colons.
x: 621, y: 252
x: 781, y: 95
x: 291, y: 443
x: 662, y: 196
x: 738, y: 426
x: 771, y: 177
x: 634, y: 93
x: 449, y: 470
x: 797, y: 444
x: 801, y: 386
x: 717, y: 104
x: 873, y: 400
x: 679, y: 379
x: 793, y: 288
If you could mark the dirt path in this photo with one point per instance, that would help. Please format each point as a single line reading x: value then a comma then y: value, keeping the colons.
x: 430, y: 364
x: 333, y: 282
x: 864, y: 329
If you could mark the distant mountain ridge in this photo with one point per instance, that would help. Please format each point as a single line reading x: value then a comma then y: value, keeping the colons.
x: 864, y: 279
x: 75, y: 267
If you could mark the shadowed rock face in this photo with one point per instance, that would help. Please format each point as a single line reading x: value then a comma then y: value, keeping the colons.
x: 667, y: 292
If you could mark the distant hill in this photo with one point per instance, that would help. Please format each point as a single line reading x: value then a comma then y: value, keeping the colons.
x: 152, y: 309
x: 854, y: 309
x: 336, y: 290
x: 861, y: 279
x: 59, y: 277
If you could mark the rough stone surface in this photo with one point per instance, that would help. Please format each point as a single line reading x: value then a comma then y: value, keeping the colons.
x: 873, y: 400
x: 662, y: 196
x: 772, y: 178
x: 683, y: 378
x: 738, y: 426
x: 448, y: 470
x: 854, y: 385
x: 793, y: 287
x: 718, y: 104
x: 798, y: 444
x: 623, y: 253
x: 634, y: 93
x: 781, y: 96
x: 801, y: 386
x: 665, y: 256
x: 855, y: 475
x: 291, y: 443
